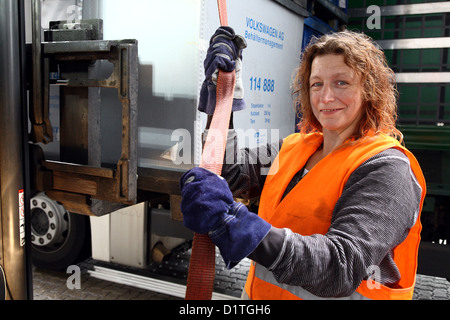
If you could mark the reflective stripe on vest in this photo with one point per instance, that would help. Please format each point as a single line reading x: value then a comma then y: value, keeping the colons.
x: 267, y: 276
x: 317, y: 194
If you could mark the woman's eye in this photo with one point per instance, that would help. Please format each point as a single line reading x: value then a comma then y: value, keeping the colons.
x: 316, y: 84
x: 342, y: 83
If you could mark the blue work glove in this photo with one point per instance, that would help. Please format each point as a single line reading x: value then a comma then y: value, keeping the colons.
x: 206, y: 200
x: 208, y: 207
x: 225, y: 53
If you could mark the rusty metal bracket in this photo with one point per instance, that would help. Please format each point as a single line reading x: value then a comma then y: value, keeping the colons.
x: 86, y: 177
x: 41, y: 128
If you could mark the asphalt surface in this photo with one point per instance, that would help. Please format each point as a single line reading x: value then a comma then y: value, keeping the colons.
x: 51, y: 285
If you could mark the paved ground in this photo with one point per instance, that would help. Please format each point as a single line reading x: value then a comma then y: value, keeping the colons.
x: 431, y: 288
x: 49, y: 285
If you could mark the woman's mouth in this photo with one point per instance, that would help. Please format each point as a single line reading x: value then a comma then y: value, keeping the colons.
x: 330, y: 110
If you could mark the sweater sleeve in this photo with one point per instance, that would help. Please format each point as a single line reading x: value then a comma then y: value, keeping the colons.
x: 246, y: 169
x: 379, y: 205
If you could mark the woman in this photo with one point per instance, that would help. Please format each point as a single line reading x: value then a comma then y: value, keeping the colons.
x: 339, y: 212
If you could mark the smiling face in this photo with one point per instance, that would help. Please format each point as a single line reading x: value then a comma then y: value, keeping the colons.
x: 335, y: 94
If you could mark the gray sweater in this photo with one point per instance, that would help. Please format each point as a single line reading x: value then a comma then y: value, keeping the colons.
x: 378, y: 206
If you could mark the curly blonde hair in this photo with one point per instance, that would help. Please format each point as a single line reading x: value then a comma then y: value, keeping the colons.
x: 377, y: 78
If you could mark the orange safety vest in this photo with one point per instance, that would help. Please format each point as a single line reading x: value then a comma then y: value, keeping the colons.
x: 316, y: 194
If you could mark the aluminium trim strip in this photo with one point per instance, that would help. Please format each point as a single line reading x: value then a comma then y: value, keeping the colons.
x: 423, y: 77
x: 415, y: 43
x: 404, y: 9
x: 147, y: 283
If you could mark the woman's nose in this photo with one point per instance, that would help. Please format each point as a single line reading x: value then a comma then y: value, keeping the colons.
x: 327, y: 94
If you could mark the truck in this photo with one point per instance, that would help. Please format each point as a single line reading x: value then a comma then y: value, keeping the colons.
x: 118, y: 122
x: 113, y: 124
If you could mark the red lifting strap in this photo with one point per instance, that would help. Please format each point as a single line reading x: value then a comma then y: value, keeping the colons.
x: 200, y: 282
